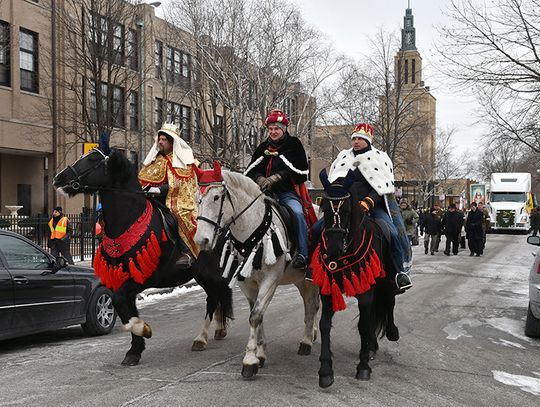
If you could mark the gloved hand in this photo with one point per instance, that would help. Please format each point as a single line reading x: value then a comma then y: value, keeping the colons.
x: 262, y: 182
x: 365, y: 205
x: 154, y: 191
x: 273, y: 179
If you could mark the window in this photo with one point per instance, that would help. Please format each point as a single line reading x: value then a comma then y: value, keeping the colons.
x: 158, y: 113
x: 413, y: 73
x: 133, y: 110
x: 178, y: 65
x: 406, y: 71
x: 133, y: 50
x: 28, y: 43
x: 5, y: 74
x: 109, y: 96
x: 219, y: 133
x: 118, y: 107
x: 117, y: 50
x: 186, y: 122
x: 158, y: 59
x: 198, y: 126
x: 174, y: 114
x: 22, y: 255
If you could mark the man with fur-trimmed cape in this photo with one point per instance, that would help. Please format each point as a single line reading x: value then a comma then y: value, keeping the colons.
x: 168, y: 175
x: 279, y: 165
x: 373, y: 174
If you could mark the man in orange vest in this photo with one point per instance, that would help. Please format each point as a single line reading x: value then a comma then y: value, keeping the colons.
x: 60, y: 235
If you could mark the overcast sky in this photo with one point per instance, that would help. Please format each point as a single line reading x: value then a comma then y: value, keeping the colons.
x: 350, y: 24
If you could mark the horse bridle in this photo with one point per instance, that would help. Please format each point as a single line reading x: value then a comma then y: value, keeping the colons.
x: 77, y: 182
x: 335, y: 205
x: 218, y: 229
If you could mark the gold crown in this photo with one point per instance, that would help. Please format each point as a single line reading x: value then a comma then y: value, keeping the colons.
x: 170, y: 128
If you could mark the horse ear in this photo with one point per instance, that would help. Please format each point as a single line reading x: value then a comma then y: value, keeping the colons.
x: 104, y: 143
x: 323, y: 176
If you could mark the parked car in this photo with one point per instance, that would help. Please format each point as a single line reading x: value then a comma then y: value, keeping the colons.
x: 40, y: 293
x: 532, y: 325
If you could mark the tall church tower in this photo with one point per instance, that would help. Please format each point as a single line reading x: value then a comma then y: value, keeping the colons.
x: 418, y: 122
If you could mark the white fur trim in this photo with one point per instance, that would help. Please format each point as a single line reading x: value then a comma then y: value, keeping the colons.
x: 292, y: 167
x: 253, y: 165
x: 135, y: 326
x: 269, y: 255
x: 375, y: 166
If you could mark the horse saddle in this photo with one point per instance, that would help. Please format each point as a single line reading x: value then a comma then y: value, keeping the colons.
x: 289, y: 221
x: 170, y: 225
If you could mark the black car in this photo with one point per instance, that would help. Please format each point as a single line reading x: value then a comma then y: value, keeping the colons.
x: 40, y: 293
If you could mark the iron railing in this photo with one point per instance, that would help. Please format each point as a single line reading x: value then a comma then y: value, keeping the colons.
x: 35, y: 227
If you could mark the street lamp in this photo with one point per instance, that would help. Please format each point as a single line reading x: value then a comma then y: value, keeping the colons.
x: 140, y: 24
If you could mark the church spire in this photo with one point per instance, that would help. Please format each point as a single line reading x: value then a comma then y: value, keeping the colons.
x: 408, y: 32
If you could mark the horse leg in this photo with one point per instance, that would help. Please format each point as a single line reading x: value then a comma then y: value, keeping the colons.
x: 250, y: 363
x: 124, y: 303
x: 310, y: 295
x: 261, y: 345
x: 367, y: 334
x: 221, y: 325
x: 326, y: 373
x: 200, y: 342
x: 392, y: 331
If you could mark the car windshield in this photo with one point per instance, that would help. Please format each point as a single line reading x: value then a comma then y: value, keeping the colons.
x: 508, y: 197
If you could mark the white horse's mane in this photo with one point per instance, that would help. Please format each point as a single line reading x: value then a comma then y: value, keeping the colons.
x: 240, y: 181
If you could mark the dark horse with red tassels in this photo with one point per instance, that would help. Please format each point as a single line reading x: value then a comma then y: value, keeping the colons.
x: 350, y: 260
x: 138, y: 250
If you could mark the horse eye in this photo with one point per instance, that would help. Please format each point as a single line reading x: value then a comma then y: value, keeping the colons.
x: 216, y: 197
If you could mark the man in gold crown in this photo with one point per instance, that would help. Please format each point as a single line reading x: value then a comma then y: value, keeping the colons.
x: 168, y: 175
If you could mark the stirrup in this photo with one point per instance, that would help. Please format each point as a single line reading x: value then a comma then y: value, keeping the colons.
x: 405, y: 287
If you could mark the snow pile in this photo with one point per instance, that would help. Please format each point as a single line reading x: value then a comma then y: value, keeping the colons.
x: 525, y: 383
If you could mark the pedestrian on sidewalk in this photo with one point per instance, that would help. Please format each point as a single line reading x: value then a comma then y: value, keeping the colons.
x: 486, y: 224
x: 410, y: 218
x: 535, y: 221
x: 452, y: 222
x: 440, y: 213
x: 60, y: 237
x: 431, y: 228
x: 473, y: 228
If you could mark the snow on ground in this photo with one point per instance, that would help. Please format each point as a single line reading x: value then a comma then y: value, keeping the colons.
x: 506, y: 343
x: 456, y: 329
x: 153, y: 295
x: 525, y: 383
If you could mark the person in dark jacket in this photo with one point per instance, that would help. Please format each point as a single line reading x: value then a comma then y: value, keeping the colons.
x: 535, y: 221
x: 452, y: 222
x: 431, y: 228
x: 473, y: 228
x: 279, y: 165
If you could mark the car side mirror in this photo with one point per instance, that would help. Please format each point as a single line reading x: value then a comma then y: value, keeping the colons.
x: 59, y: 263
x: 534, y: 240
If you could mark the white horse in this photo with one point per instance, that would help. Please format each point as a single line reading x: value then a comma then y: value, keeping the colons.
x: 235, y: 206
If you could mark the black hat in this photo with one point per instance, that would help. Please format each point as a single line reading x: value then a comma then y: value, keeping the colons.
x: 452, y: 206
x: 58, y: 208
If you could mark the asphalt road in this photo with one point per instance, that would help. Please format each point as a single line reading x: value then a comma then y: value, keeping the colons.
x: 462, y: 344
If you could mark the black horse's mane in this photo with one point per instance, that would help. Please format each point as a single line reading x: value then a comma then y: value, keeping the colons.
x: 120, y: 167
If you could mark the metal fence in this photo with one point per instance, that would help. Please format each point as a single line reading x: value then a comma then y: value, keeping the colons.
x: 35, y: 228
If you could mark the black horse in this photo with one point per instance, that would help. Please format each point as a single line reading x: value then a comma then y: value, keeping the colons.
x: 351, y: 259
x: 138, y: 251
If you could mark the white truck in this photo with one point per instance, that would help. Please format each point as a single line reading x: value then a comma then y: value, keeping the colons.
x: 510, y: 201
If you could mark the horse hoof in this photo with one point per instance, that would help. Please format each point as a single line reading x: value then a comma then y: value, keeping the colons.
x: 392, y: 333
x: 372, y: 354
x: 363, y: 374
x: 220, y: 334
x: 131, y: 360
x: 249, y: 371
x: 326, y: 381
x: 304, y: 349
x: 261, y: 362
x: 147, y: 331
x: 198, y: 346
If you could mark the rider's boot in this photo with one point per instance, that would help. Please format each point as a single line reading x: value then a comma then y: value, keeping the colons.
x: 299, y: 261
x: 185, y: 260
x: 403, y: 281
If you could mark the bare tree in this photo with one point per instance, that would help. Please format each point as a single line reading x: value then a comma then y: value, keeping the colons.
x: 495, y: 50
x: 98, y: 71
x: 251, y: 57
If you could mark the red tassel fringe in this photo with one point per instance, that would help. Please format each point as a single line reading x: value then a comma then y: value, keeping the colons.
x: 338, y: 303
x: 348, y: 287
